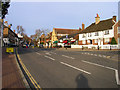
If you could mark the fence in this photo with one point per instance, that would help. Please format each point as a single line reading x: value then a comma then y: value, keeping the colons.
x: 96, y: 46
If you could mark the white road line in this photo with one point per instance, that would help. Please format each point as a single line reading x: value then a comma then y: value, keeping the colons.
x: 104, y: 56
x: 75, y: 68
x: 100, y: 55
x: 49, y: 57
x: 53, y: 52
x: 116, y: 71
x: 98, y: 65
x: 68, y: 57
x: 117, y: 77
x: 88, y: 53
x: 108, y: 56
x: 95, y: 54
x: 38, y: 53
x: 48, y: 53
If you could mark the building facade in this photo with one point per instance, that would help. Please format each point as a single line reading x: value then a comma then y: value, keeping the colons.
x: 9, y: 36
x: 99, y: 33
x: 57, y: 33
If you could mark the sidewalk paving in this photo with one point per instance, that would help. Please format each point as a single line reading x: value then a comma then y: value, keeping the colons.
x: 79, y: 49
x: 11, y: 77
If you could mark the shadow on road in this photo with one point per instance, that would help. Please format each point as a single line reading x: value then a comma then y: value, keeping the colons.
x: 82, y: 82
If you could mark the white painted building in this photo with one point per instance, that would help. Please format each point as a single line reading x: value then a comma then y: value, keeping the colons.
x: 98, y: 33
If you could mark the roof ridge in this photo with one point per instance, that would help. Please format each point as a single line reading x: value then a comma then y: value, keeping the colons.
x: 65, y: 29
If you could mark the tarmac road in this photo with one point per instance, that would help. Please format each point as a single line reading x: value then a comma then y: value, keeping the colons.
x: 53, y: 68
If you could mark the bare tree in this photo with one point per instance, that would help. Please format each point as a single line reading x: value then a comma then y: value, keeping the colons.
x: 38, y: 33
x: 20, y: 30
x: 45, y: 31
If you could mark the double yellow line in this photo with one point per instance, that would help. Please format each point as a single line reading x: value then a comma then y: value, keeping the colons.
x: 28, y: 73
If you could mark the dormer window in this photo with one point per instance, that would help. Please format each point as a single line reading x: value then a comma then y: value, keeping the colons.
x: 106, y: 32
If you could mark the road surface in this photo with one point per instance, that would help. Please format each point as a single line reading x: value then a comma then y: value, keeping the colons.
x: 54, y: 68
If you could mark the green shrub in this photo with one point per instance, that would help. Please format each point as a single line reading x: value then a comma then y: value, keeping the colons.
x: 113, y: 41
x: 42, y: 43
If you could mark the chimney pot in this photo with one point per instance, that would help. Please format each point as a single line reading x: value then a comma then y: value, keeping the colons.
x: 114, y: 18
x: 97, y: 19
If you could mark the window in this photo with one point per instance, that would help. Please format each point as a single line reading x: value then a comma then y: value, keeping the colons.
x: 83, y: 36
x: 119, y: 30
x: 88, y: 41
x: 95, y: 41
x: 106, y: 32
x: 106, y: 40
x: 96, y: 34
x: 84, y: 42
x: 89, y: 34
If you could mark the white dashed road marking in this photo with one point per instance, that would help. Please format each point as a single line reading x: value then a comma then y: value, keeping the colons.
x: 95, y: 54
x: 49, y: 57
x: 100, y: 55
x: 75, y: 68
x: 48, y: 53
x: 53, y: 52
x: 68, y: 57
x: 38, y: 53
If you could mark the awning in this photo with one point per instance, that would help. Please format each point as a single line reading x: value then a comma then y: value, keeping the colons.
x: 55, y: 41
x: 65, y: 41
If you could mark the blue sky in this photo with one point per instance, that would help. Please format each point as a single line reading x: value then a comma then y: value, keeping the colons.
x: 46, y: 15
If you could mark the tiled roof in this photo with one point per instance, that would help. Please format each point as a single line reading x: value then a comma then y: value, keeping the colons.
x: 101, y: 26
x: 65, y: 31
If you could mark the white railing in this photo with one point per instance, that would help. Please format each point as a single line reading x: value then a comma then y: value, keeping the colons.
x: 96, y: 46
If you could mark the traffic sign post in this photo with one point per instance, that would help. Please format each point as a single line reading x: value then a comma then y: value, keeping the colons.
x: 9, y: 50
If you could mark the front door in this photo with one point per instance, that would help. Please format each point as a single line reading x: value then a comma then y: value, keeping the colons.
x: 90, y: 41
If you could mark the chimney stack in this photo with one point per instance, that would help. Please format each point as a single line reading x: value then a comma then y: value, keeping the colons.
x: 83, y: 26
x: 79, y: 28
x: 97, y: 19
x: 14, y: 31
x: 114, y: 18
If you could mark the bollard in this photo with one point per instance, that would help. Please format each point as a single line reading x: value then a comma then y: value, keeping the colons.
x: 98, y: 47
x: 110, y: 48
x: 82, y: 47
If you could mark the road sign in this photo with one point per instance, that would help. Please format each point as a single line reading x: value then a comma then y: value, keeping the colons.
x: 9, y: 49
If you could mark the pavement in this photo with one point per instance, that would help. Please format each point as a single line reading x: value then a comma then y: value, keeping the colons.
x: 11, y: 77
x: 57, y: 68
